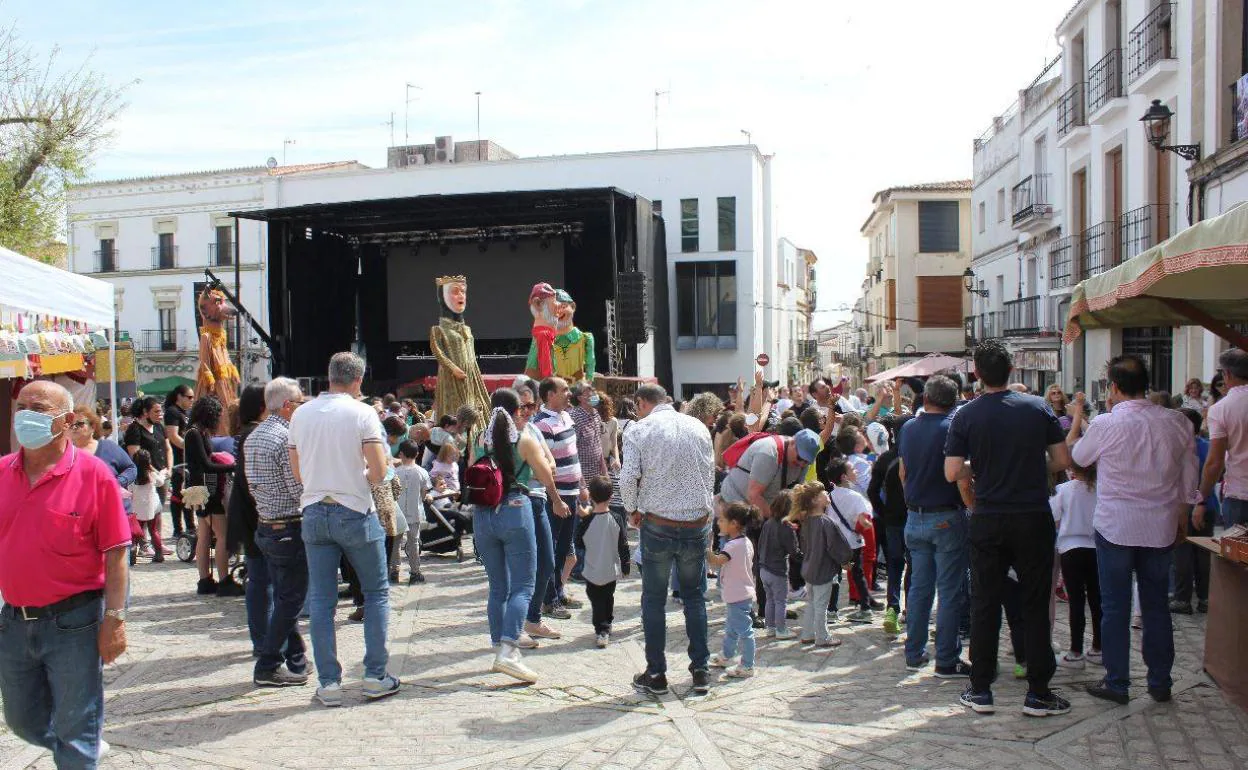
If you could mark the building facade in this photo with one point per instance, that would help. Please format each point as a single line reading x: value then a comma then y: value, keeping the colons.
x: 914, y: 301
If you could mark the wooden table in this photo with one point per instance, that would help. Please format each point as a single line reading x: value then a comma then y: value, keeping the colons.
x: 1226, y: 627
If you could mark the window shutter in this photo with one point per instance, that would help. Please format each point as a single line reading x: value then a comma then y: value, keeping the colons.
x: 940, y: 301
x: 890, y: 299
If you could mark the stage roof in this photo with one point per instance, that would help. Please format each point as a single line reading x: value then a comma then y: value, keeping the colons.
x: 424, y: 212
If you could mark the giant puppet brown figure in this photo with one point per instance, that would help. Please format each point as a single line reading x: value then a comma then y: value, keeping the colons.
x: 459, y: 377
x: 217, y: 374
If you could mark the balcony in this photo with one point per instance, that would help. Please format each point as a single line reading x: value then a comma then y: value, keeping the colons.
x: 1101, y: 249
x: 1071, y: 110
x: 1105, y: 84
x: 105, y: 261
x: 221, y: 254
x: 1031, y: 202
x: 1061, y: 260
x: 1239, y: 121
x: 989, y: 324
x: 1144, y: 228
x: 1150, y: 44
x: 163, y: 340
x: 1022, y: 317
x: 164, y: 257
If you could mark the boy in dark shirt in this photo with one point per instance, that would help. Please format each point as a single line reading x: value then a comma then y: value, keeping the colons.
x: 603, y: 540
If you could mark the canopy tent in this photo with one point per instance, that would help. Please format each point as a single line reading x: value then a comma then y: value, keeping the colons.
x: 932, y: 363
x: 1199, y: 276
x: 162, y: 386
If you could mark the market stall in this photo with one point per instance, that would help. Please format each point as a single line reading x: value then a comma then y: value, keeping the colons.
x: 52, y: 322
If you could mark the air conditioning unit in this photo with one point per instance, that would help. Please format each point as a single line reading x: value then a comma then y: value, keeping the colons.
x: 416, y: 159
x: 443, y: 150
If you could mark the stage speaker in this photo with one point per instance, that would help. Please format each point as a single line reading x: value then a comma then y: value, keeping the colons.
x: 632, y: 308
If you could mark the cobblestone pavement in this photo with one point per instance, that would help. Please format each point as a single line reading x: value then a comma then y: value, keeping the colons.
x: 182, y: 697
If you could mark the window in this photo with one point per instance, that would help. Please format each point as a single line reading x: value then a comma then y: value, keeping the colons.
x: 727, y: 224
x: 168, y: 328
x: 706, y: 305
x: 938, y: 226
x: 983, y: 216
x: 223, y: 249
x: 1001, y: 205
x: 689, y: 225
x: 657, y: 207
x: 107, y: 256
x: 164, y: 256
x: 940, y: 301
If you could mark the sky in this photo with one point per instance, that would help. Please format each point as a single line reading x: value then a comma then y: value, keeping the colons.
x: 850, y: 98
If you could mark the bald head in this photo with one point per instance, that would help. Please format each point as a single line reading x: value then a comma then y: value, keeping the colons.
x: 45, y: 396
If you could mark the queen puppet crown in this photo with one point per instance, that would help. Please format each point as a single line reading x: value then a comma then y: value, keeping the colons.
x: 449, y: 279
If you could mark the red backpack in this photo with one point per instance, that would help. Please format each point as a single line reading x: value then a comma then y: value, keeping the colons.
x: 484, y: 482
x: 732, y: 455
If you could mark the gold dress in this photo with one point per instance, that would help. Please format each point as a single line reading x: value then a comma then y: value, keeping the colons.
x: 217, y: 374
x: 453, y: 346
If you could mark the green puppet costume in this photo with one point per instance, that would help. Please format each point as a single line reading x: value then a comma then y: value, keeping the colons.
x: 573, y: 354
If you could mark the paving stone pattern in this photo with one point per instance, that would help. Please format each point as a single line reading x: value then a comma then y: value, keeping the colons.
x: 182, y: 697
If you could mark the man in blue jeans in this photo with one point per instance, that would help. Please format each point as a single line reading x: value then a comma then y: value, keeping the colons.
x: 936, y: 534
x: 666, y: 484
x: 337, y: 451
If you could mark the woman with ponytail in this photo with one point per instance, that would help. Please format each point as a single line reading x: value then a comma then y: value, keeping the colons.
x: 504, y: 534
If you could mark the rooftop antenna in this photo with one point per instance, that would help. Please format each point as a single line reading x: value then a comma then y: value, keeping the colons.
x: 478, y: 95
x: 657, y: 95
x: 286, y: 143
x: 407, y: 101
x: 390, y: 123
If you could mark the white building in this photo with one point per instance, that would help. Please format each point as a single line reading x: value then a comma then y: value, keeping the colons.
x: 1021, y: 294
x: 716, y: 202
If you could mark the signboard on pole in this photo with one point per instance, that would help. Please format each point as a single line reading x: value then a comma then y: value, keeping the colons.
x: 763, y: 359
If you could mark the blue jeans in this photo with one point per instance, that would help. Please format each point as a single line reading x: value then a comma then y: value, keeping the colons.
x: 52, y: 682
x: 895, y: 559
x: 661, y: 547
x: 562, y: 531
x: 507, y: 546
x: 545, y: 556
x: 1151, y: 567
x: 259, y: 601
x: 738, y: 625
x: 938, y: 559
x: 331, y: 531
x: 287, y: 569
x: 1234, y: 511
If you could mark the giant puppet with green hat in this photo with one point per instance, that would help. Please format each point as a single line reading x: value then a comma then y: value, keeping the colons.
x: 571, y: 356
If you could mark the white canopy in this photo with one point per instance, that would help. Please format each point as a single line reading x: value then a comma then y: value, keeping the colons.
x: 32, y: 287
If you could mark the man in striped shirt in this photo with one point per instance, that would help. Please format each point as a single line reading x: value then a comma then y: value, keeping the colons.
x: 559, y: 430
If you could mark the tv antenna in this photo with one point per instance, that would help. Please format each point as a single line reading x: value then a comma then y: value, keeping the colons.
x: 285, y: 144
x: 390, y: 123
x: 407, y: 101
x: 657, y: 95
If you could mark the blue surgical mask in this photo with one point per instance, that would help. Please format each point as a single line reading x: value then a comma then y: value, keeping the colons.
x: 594, y: 400
x: 34, y: 429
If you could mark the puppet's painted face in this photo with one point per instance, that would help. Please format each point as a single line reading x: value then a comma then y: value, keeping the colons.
x: 544, y: 310
x: 213, y: 306
x: 564, y: 312
x: 455, y: 295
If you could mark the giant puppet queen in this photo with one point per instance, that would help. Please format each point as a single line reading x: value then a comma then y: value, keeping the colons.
x: 558, y: 348
x: 459, y: 377
x: 217, y: 375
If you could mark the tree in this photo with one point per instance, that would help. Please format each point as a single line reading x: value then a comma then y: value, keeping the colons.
x: 52, y: 122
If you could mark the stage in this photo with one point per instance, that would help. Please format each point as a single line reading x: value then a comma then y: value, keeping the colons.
x: 359, y: 276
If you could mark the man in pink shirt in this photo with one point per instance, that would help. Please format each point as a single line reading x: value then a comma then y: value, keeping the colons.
x: 1228, y: 440
x: 1146, y: 471
x: 63, y: 538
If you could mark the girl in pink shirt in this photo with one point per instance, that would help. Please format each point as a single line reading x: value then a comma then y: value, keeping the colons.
x: 735, y: 561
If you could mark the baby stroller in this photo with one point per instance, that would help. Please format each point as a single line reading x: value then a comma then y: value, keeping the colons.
x: 444, y: 528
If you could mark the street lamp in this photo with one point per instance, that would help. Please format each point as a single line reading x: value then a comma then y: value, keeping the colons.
x: 968, y: 280
x: 1157, y: 124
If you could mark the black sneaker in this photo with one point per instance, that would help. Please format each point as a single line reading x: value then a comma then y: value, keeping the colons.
x: 1202, y: 606
x: 921, y: 663
x: 230, y: 587
x: 1180, y: 607
x: 415, y: 577
x: 1160, y: 694
x: 1100, y: 690
x: 1050, y: 705
x: 279, y: 677
x: 959, y: 670
x: 876, y: 604
x: 701, y: 681
x: 979, y: 702
x: 207, y: 587
x: 653, y: 684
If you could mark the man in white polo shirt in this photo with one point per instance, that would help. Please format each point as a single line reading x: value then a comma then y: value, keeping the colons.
x: 337, y: 451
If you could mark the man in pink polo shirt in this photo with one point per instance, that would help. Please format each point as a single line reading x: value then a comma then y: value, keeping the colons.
x: 63, y: 538
x: 1228, y: 440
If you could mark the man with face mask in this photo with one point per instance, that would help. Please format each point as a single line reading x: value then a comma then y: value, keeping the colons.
x: 63, y: 539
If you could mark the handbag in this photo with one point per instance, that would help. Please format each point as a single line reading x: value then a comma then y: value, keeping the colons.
x: 385, y: 494
x: 842, y: 552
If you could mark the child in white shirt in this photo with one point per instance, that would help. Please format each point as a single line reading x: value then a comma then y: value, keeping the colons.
x: 145, y: 502
x: 1073, y: 504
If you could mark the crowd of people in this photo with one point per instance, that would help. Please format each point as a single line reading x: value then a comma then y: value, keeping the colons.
x: 923, y: 496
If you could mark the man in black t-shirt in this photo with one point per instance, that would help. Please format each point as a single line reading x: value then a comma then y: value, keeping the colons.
x: 177, y: 410
x: 1014, y: 442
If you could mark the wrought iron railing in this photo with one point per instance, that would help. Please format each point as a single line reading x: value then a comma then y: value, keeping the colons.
x: 105, y: 260
x: 1100, y: 249
x: 164, y: 257
x: 1105, y: 80
x: 1071, y: 112
x: 1022, y: 316
x: 1031, y: 197
x: 1150, y: 41
x: 1144, y: 228
x: 221, y: 254
x: 164, y: 340
x: 989, y: 324
x: 1061, y: 260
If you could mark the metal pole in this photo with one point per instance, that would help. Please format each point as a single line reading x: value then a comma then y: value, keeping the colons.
x: 112, y: 370
x: 238, y: 316
x: 479, y: 126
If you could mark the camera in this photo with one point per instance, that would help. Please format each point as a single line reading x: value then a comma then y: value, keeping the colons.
x: 771, y: 384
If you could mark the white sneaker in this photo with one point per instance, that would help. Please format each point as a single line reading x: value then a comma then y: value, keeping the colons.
x: 508, y: 662
x: 526, y: 642
x: 104, y: 747
x: 798, y: 594
x: 767, y: 633
x: 603, y: 640
x: 739, y: 672
x: 719, y: 661
x: 785, y: 633
x: 330, y: 695
x: 380, y: 688
x: 1073, y: 660
x: 540, y: 630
